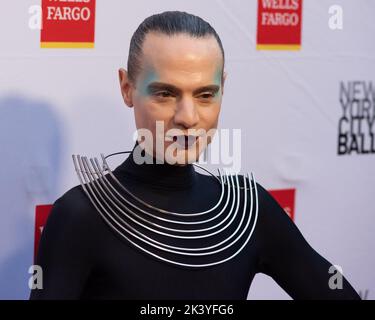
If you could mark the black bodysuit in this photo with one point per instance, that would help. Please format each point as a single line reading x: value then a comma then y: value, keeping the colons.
x: 83, y: 258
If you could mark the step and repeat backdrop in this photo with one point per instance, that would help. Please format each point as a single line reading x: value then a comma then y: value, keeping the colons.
x: 300, y: 87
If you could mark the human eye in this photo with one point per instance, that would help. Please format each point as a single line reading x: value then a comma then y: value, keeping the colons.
x: 162, y: 94
x: 206, y: 96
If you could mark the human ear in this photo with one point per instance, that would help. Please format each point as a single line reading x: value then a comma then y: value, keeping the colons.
x: 126, y: 87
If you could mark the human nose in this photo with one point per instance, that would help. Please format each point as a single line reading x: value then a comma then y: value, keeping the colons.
x: 186, y: 113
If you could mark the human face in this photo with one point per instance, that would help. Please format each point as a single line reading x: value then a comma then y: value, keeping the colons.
x: 180, y: 85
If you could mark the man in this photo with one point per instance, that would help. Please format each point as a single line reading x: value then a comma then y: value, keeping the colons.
x: 92, y: 248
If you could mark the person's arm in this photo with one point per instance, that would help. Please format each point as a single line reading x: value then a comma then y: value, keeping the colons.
x: 286, y: 256
x: 65, y: 249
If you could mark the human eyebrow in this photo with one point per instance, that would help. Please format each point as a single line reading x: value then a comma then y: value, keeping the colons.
x: 158, y: 86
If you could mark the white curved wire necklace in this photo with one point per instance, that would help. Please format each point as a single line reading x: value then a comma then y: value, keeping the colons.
x: 117, y: 212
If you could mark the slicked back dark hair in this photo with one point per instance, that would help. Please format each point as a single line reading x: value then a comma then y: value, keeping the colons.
x: 169, y: 23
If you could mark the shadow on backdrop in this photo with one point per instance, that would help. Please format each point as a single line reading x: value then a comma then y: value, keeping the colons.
x: 31, y: 145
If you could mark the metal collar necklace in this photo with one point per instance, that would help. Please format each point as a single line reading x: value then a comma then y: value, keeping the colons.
x: 133, y: 220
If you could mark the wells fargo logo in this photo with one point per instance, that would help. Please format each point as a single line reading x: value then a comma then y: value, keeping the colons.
x: 279, y: 24
x: 68, y: 24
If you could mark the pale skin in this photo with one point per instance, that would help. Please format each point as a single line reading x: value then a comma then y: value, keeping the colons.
x: 181, y: 83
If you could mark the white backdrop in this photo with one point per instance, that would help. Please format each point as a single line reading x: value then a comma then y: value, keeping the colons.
x: 56, y: 102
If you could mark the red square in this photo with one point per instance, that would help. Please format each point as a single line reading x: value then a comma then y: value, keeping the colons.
x: 279, y: 24
x: 68, y: 24
x: 286, y: 199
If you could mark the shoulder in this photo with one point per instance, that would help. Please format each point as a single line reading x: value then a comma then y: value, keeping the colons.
x: 71, y: 210
x: 70, y: 233
x: 270, y: 216
x: 270, y: 211
x: 268, y: 207
x: 74, y: 198
x: 275, y: 229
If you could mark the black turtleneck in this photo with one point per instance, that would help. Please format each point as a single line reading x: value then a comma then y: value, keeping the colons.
x: 83, y: 258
